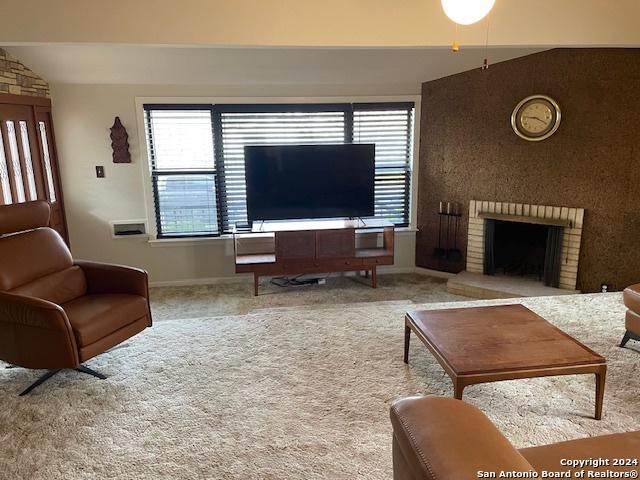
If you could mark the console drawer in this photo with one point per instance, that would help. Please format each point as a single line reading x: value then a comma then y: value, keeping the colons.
x: 371, y: 261
x: 323, y: 266
x: 342, y: 265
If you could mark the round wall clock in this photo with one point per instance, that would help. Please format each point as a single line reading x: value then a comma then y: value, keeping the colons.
x: 535, y: 118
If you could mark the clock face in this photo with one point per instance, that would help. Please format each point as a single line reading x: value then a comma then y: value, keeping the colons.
x: 536, y: 118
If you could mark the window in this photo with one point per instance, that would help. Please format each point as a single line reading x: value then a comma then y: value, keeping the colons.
x: 26, y: 153
x: 4, y: 175
x: 15, y: 162
x: 180, y: 144
x: 47, y: 161
x: 390, y: 128
x: 196, y: 154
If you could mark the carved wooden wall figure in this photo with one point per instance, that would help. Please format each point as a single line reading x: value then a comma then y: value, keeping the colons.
x: 120, y: 142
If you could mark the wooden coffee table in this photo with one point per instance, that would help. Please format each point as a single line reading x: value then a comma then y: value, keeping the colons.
x: 506, y: 342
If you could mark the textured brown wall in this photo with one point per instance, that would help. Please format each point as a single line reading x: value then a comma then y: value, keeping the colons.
x: 469, y: 151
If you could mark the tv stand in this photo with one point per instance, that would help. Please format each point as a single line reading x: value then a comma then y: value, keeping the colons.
x: 304, y: 247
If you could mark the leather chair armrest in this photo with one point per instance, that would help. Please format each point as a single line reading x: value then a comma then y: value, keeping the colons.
x: 631, y: 297
x: 35, y: 333
x: 107, y: 278
x: 436, y: 438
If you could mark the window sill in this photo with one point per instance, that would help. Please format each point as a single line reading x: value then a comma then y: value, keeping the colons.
x: 182, y: 242
x: 185, y: 242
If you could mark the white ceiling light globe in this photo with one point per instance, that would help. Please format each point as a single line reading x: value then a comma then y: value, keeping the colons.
x: 466, y: 12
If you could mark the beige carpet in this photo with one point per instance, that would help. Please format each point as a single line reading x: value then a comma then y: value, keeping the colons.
x: 287, y: 394
x: 238, y: 299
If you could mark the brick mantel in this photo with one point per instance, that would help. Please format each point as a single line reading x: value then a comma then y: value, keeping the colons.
x: 570, y: 218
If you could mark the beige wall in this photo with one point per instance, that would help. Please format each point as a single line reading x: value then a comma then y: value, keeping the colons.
x: 317, y: 23
x: 82, y: 117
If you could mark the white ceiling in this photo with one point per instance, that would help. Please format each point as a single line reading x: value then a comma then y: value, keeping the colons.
x: 326, y: 23
x: 156, y: 65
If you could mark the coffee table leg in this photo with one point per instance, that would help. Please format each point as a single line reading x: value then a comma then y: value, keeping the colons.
x: 407, y: 339
x: 458, y: 388
x: 600, y: 381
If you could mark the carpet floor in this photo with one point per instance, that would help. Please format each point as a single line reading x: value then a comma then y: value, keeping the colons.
x: 288, y: 394
x: 238, y: 299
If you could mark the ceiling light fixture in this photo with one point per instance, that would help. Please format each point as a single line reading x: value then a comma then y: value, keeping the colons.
x: 466, y: 12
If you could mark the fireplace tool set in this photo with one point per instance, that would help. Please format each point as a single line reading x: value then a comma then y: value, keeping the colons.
x: 449, y: 214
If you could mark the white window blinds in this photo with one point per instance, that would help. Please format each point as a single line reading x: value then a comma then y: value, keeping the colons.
x: 389, y: 127
x: 180, y: 145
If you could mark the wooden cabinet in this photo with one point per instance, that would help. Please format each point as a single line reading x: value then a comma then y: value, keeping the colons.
x: 294, y: 248
x: 295, y: 245
x: 332, y: 244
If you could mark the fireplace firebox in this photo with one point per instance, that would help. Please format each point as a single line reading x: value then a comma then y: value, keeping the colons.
x: 524, y: 249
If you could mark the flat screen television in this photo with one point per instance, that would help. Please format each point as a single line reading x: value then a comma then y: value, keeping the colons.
x: 288, y: 182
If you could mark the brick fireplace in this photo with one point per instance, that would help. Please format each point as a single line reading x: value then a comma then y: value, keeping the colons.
x: 564, y: 223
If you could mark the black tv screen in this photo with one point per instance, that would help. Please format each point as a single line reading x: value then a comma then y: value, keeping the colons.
x: 286, y: 182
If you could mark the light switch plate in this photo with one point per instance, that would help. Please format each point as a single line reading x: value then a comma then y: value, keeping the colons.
x: 99, y: 171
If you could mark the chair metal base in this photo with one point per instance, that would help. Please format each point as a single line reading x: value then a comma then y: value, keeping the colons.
x: 51, y: 373
x: 629, y: 336
x: 88, y: 371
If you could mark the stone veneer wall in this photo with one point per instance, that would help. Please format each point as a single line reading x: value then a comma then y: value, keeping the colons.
x: 571, y: 235
x: 17, y: 79
x: 468, y: 151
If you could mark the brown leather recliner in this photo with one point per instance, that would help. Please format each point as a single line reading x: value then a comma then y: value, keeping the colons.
x: 56, y: 313
x: 438, y: 438
x: 631, y: 296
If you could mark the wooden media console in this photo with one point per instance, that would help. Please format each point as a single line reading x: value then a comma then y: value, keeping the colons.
x: 292, y: 248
